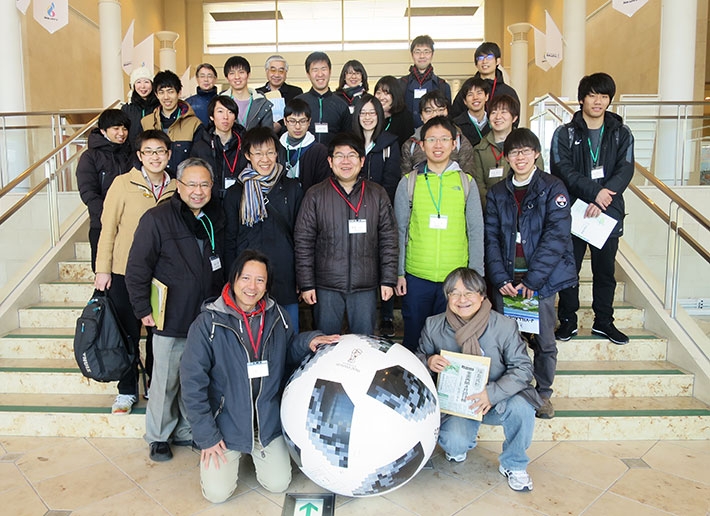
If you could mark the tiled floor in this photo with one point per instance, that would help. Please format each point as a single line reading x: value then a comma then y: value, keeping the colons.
x: 90, y: 477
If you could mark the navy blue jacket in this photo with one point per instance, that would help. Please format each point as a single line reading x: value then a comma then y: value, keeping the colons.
x: 410, y: 83
x: 382, y: 163
x: 571, y: 161
x: 199, y: 102
x: 545, y: 229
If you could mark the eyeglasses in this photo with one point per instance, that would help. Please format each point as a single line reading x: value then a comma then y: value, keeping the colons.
x: 353, y: 72
x: 468, y: 295
x: 422, y: 52
x: 154, y: 152
x: 260, y: 155
x: 205, y: 185
x: 365, y: 114
x: 525, y: 151
x: 438, y: 110
x: 273, y: 69
x: 298, y: 121
x: 206, y: 76
x: 487, y: 57
x: 350, y: 156
x: 443, y: 139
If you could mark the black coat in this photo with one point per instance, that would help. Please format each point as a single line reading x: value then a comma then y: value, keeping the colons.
x: 401, y: 125
x: 209, y: 147
x: 382, y: 163
x: 335, y: 113
x: 273, y: 236
x: 166, y: 247
x: 136, y: 110
x: 497, y: 87
x: 100, y: 164
x: 471, y: 132
x: 313, y: 164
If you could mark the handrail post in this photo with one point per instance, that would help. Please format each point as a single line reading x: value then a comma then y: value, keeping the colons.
x: 52, y: 201
x: 5, y: 172
x: 671, y: 243
x: 676, y: 272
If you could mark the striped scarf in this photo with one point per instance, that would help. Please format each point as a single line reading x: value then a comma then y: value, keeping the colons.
x: 256, y: 186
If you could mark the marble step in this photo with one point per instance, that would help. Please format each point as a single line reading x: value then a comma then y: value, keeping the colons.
x: 59, y: 376
x: 585, y: 346
x: 620, y: 379
x: 82, y: 251
x: 65, y: 292
x: 76, y: 270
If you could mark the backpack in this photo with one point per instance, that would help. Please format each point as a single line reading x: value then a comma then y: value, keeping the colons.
x: 412, y: 182
x: 102, y: 348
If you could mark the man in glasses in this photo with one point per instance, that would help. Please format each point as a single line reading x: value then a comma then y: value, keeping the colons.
x: 346, y: 243
x: 303, y: 157
x: 421, y: 79
x: 179, y: 243
x: 487, y: 60
x: 206, y: 89
x: 276, y: 89
x: 438, y: 212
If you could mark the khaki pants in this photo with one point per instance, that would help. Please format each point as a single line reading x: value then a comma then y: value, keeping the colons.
x: 272, y: 464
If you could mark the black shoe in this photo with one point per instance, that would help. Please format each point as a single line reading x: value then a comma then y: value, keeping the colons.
x: 566, y: 331
x: 160, y: 451
x: 610, y: 332
x: 387, y: 328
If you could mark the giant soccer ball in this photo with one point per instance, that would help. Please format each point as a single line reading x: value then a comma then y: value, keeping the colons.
x: 361, y: 417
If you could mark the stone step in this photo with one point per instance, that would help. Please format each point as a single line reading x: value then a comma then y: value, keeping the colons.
x: 59, y: 376
x: 82, y: 251
x: 585, y: 346
x: 65, y: 292
x: 76, y: 270
x: 620, y: 379
x: 50, y: 315
x: 38, y: 343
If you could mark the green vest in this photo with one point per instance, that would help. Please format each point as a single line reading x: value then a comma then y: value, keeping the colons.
x: 433, y: 253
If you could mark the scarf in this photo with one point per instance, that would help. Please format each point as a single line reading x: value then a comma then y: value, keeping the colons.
x: 468, y: 332
x: 421, y: 77
x: 253, y: 209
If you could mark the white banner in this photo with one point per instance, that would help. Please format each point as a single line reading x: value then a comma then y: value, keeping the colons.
x: 553, y: 42
x: 22, y: 5
x: 143, y: 54
x: 189, y: 84
x: 51, y: 14
x: 540, y: 48
x: 628, y: 7
x: 127, y: 50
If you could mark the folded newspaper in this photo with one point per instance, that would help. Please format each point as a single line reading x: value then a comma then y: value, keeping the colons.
x: 466, y: 375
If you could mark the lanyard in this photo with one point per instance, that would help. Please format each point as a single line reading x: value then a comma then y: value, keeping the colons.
x: 236, y: 155
x: 362, y: 194
x: 389, y: 122
x: 298, y: 156
x: 493, y: 88
x: 254, y: 345
x: 320, y: 109
x: 595, y: 155
x: 475, y: 126
x: 496, y: 156
x: 210, y: 232
x: 441, y: 180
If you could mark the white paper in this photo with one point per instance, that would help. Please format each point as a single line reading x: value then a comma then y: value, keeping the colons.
x: 466, y: 375
x: 594, y: 230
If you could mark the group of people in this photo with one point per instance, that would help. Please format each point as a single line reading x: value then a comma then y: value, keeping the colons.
x: 247, y: 202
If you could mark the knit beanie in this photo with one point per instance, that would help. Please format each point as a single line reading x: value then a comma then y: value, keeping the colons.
x: 140, y: 73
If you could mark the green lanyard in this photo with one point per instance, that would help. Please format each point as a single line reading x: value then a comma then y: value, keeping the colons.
x: 595, y: 155
x: 210, y: 232
x: 475, y: 126
x: 320, y: 110
x: 431, y: 194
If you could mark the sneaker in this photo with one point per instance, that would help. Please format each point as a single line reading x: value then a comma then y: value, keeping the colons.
x: 387, y: 328
x: 456, y: 458
x: 123, y: 404
x: 546, y: 411
x: 566, y: 331
x: 160, y: 451
x: 517, y: 480
x: 610, y: 332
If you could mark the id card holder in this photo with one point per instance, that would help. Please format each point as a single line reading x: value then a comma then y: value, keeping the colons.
x: 257, y: 369
x: 229, y: 181
x: 518, y: 238
x: 322, y: 127
x: 438, y: 221
x: 495, y: 172
x: 357, y: 226
x: 215, y: 262
x: 419, y: 93
x: 352, y: 109
x: 598, y: 173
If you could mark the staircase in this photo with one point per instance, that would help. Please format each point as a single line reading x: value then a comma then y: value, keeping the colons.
x: 602, y: 391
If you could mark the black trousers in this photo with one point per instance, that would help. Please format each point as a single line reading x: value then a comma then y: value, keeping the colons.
x: 603, y: 283
x: 94, y: 234
x: 118, y: 294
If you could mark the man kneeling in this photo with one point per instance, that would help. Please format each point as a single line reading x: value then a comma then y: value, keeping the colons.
x: 469, y: 326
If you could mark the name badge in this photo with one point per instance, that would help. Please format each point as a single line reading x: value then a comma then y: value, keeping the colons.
x: 419, y: 93
x: 258, y: 369
x: 438, y: 221
x: 598, y: 173
x: 322, y: 127
x: 357, y: 226
x: 352, y: 109
x: 215, y: 262
x: 228, y: 181
x: 518, y: 238
x: 495, y: 172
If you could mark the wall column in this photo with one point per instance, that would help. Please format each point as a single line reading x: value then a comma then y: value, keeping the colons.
x: 675, y: 83
x: 167, y: 55
x: 519, y: 66
x: 574, y: 25
x: 110, y: 35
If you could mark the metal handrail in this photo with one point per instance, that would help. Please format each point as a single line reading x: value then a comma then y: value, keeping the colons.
x: 25, y: 199
x: 628, y: 102
x: 63, y: 112
x: 24, y: 175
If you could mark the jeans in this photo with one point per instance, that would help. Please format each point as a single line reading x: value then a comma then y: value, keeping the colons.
x: 331, y: 306
x: 517, y: 417
x: 424, y: 298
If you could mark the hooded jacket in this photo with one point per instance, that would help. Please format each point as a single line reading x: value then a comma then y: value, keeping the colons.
x: 199, y: 102
x: 410, y: 83
x: 413, y: 155
x: 308, y: 159
x: 100, y: 164
x: 136, y: 110
x: 227, y: 161
x: 497, y: 87
x: 259, y: 114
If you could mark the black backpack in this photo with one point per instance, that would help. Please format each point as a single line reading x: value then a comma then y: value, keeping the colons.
x: 102, y: 348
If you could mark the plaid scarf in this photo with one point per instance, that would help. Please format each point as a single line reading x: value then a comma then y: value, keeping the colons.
x: 421, y: 77
x: 256, y: 186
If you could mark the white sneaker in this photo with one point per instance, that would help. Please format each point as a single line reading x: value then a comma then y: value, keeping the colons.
x: 456, y: 458
x: 517, y: 480
x: 123, y: 404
